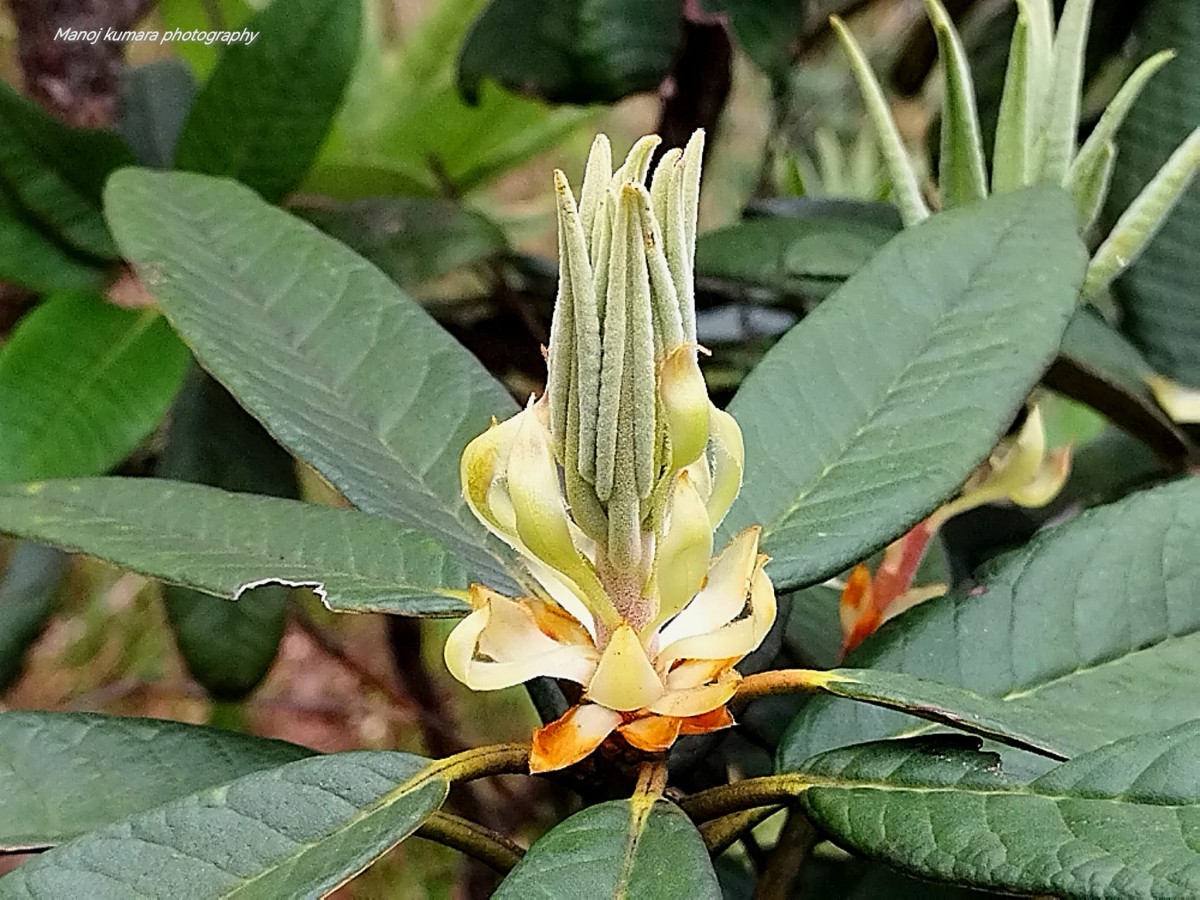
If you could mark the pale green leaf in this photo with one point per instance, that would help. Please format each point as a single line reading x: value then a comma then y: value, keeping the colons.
x: 222, y: 543
x: 961, y: 174
x: 1013, y: 144
x: 1061, y: 133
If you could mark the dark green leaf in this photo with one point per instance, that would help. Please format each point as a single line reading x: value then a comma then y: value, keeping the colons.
x: 798, y: 246
x: 225, y: 544
x: 299, y: 830
x: 155, y: 99
x: 27, y: 593
x: 879, y: 404
x: 32, y: 258
x: 82, y: 383
x: 412, y: 239
x: 767, y: 30
x: 1122, y: 821
x: 266, y: 108
x: 1158, y: 295
x: 571, y: 51
x: 228, y: 647
x: 623, y: 848
x: 57, y: 173
x: 62, y: 775
x: 1094, y: 621
x: 341, y: 367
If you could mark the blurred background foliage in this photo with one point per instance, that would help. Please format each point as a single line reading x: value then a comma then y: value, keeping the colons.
x: 422, y: 133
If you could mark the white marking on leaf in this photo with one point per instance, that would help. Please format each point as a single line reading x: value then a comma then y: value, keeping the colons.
x: 317, y: 587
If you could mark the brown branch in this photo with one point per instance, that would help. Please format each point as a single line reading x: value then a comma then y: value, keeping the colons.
x: 473, y: 839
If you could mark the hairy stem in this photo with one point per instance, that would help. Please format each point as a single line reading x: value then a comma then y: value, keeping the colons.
x: 720, y: 834
x: 780, y: 681
x: 770, y: 790
x: 475, y: 840
x: 480, y: 762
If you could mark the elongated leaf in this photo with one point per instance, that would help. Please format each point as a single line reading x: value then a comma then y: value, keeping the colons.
x: 1061, y: 132
x: 1094, y: 621
x: 57, y: 172
x: 228, y: 647
x: 961, y: 174
x: 224, y: 544
x: 339, y: 365
x: 877, y: 406
x: 264, y: 111
x: 1013, y: 144
x: 155, y: 99
x: 1158, y: 297
x: 412, y: 239
x: 298, y: 830
x: 64, y: 774
x: 905, y: 188
x: 28, y: 590
x: 1122, y: 821
x: 622, y: 848
x: 32, y: 258
x: 186, y: 15
x: 82, y: 383
x: 571, y: 51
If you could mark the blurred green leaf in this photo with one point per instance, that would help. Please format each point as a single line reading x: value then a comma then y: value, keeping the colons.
x: 880, y: 403
x: 767, y: 30
x: 225, y: 544
x: 265, y: 110
x: 32, y: 258
x: 64, y: 774
x: 1158, y: 294
x: 82, y: 383
x: 412, y: 239
x: 155, y: 99
x: 299, y: 830
x: 57, y: 173
x: 342, y: 368
x: 28, y: 591
x: 1121, y: 821
x: 211, y: 15
x: 1094, y: 619
x: 571, y: 51
x: 228, y: 647
x: 640, y: 848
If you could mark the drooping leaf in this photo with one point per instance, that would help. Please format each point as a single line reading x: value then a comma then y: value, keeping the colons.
x: 298, y: 830
x: 228, y: 647
x: 1094, y: 621
x: 82, y: 383
x: 32, y: 258
x: 1157, y: 295
x: 65, y: 774
x: 571, y: 51
x: 412, y: 239
x: 224, y: 544
x: 879, y: 404
x: 804, y: 243
x: 28, y: 590
x: 266, y: 108
x: 621, y: 848
x: 320, y: 346
x: 1121, y: 821
x: 155, y: 99
x: 57, y: 172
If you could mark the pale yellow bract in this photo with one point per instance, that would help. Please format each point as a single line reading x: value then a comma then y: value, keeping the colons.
x: 611, y: 485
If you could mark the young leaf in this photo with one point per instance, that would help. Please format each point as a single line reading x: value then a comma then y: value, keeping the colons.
x: 319, y: 345
x: 1066, y: 89
x: 225, y: 544
x: 1098, y: 148
x: 1145, y: 216
x: 64, y: 774
x: 880, y: 403
x: 1090, y: 189
x: 155, y: 99
x: 621, y: 848
x: 263, y: 113
x: 961, y: 174
x: 28, y: 591
x: 57, y: 172
x: 299, y: 830
x: 1013, y: 144
x: 905, y: 187
x: 82, y: 383
x: 1093, y: 620
x: 1120, y: 821
x: 228, y: 647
